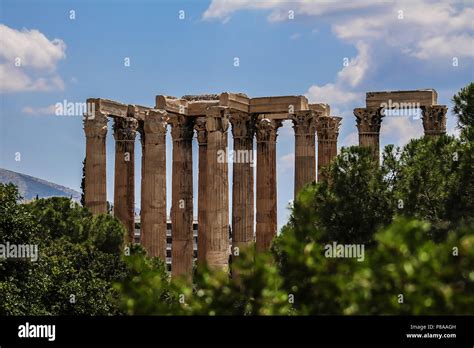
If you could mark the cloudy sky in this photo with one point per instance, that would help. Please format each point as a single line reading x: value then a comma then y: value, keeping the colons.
x: 331, y: 51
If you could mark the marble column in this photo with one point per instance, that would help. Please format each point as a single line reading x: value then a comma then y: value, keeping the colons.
x: 305, y: 149
x: 266, y: 229
x: 201, y: 131
x: 95, y: 190
x: 434, y: 120
x: 327, y: 129
x: 369, y: 121
x: 217, y: 182
x: 125, y: 129
x: 243, y: 129
x: 182, y: 130
x: 153, y: 183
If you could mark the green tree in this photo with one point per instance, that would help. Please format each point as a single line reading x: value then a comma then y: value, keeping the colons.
x: 148, y: 290
x: 79, y: 258
x: 431, y: 179
x: 350, y: 206
x: 464, y: 106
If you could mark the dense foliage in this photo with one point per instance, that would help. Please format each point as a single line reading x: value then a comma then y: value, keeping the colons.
x: 79, y: 258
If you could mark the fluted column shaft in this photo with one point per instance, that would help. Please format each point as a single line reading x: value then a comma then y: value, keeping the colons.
x: 201, y: 131
x: 153, y: 183
x: 243, y: 129
x: 217, y: 224
x: 125, y: 129
x: 368, y: 124
x: 266, y: 229
x: 434, y: 120
x: 305, y: 149
x: 182, y: 196
x: 95, y: 190
x: 327, y: 129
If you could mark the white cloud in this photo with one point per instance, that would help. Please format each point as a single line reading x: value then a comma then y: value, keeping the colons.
x: 221, y: 9
x: 49, y: 110
x: 331, y: 93
x: 340, y: 94
x: 433, y: 31
x: 426, y: 29
x: 28, y: 61
x: 400, y: 130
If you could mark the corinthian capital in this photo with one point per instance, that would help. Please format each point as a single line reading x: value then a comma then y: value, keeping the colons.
x: 328, y: 127
x: 243, y: 125
x: 182, y: 127
x: 266, y: 129
x: 125, y: 128
x: 304, y: 122
x: 368, y: 120
x: 434, y: 119
x: 200, y: 127
x: 217, y: 119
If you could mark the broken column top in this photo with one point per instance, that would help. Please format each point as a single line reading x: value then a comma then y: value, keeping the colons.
x: 425, y: 97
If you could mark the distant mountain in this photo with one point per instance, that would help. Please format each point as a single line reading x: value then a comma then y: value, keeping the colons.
x: 29, y: 186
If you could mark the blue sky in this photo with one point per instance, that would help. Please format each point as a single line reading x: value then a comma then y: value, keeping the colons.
x: 74, y: 59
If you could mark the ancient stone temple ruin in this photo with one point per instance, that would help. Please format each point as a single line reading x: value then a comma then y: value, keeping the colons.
x: 209, y: 117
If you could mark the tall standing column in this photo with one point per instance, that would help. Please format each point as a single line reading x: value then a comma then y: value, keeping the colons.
x: 125, y: 129
x: 217, y: 223
x: 266, y: 229
x: 182, y: 196
x: 327, y: 128
x: 305, y: 149
x: 243, y: 129
x: 153, y: 193
x: 95, y: 190
x: 201, y: 131
x: 368, y: 124
x: 434, y: 120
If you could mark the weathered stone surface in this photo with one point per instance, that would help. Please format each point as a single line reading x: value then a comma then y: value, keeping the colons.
x: 201, y: 131
x: 266, y: 229
x: 434, y: 120
x: 153, y: 184
x: 115, y: 109
x: 199, y: 97
x: 368, y: 124
x: 283, y: 104
x: 217, y: 183
x: 243, y: 130
x: 235, y: 101
x: 95, y: 128
x: 327, y: 128
x: 421, y: 98
x: 304, y: 125
x: 182, y: 196
x: 125, y: 130
x: 322, y: 109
